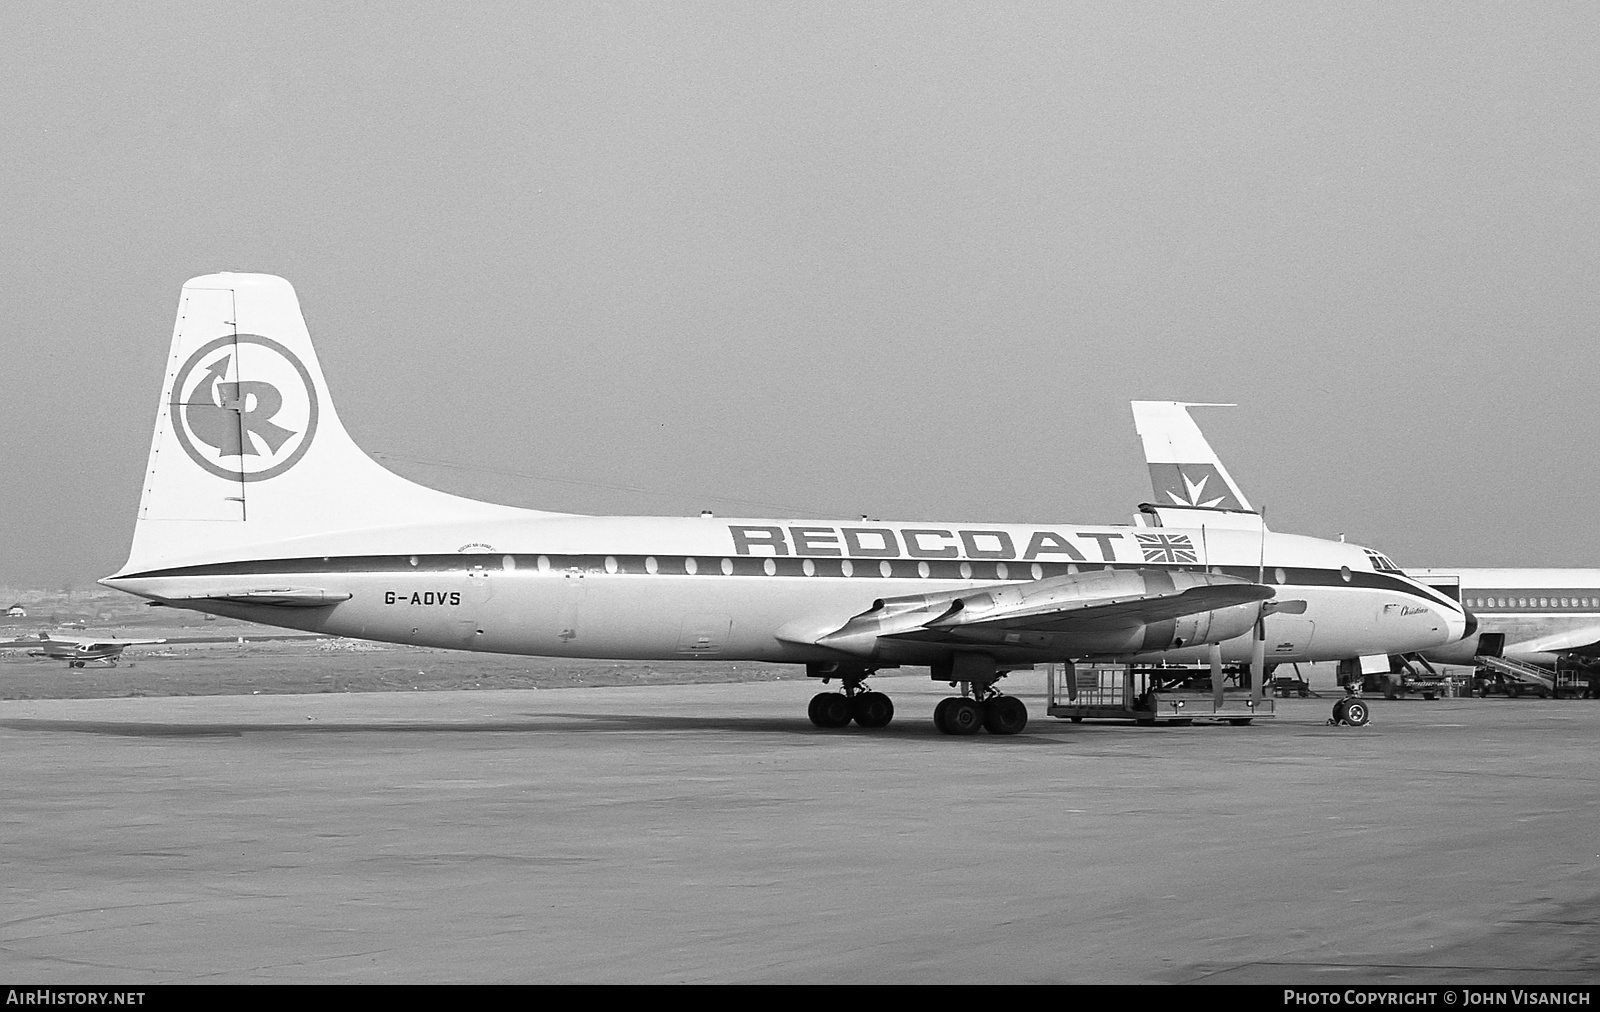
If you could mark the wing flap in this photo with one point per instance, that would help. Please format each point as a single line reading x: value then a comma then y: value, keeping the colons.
x: 1114, y: 614
x: 1102, y: 612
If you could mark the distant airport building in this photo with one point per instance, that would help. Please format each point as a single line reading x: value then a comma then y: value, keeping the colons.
x: 16, y: 611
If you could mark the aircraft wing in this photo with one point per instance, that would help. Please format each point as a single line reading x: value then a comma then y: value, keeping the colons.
x: 1100, y: 612
x: 1556, y: 643
x: 1067, y: 617
x: 57, y: 643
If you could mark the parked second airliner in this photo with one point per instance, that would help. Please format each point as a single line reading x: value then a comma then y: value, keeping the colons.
x: 1531, y: 615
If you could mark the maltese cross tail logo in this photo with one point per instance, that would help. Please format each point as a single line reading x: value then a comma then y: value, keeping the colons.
x: 1193, y: 485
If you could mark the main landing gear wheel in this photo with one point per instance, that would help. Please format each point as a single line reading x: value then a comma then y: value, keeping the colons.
x: 997, y: 715
x: 958, y: 715
x: 980, y: 704
x: 830, y: 709
x: 1004, y: 715
x: 854, y: 703
x: 871, y: 709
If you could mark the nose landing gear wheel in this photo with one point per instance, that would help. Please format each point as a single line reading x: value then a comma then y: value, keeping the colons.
x: 1351, y: 711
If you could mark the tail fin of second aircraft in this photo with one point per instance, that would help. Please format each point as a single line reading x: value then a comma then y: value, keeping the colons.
x: 248, y: 448
x: 1184, y: 470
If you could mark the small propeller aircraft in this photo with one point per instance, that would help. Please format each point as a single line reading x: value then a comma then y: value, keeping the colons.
x: 77, y: 651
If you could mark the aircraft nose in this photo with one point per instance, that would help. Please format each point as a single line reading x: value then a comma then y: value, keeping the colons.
x: 1459, y: 623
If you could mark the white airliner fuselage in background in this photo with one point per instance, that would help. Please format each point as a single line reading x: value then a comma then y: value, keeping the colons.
x: 1531, y: 615
x: 257, y: 505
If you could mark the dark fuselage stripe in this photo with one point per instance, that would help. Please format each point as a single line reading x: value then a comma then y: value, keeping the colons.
x: 767, y: 566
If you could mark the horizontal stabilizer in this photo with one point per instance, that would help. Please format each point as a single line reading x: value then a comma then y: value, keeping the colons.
x: 281, y: 597
x: 1214, y: 517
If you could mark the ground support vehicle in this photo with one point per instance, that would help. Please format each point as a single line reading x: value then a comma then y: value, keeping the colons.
x: 1406, y: 674
x: 1514, y: 678
x: 1147, y: 695
x: 1296, y: 684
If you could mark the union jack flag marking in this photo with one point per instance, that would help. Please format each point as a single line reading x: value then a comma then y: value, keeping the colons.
x: 1167, y: 548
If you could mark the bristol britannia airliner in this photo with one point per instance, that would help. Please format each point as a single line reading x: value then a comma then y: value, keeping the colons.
x: 257, y: 505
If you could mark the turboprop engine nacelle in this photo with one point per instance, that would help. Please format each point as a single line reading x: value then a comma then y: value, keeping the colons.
x: 1103, y: 613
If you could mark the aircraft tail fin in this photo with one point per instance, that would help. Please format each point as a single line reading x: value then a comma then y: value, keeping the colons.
x: 248, y: 448
x: 1184, y: 470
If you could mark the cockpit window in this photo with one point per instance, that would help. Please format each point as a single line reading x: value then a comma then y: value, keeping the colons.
x: 1382, y: 563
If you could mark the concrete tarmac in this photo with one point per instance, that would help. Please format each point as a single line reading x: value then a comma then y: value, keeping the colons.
x: 709, y: 833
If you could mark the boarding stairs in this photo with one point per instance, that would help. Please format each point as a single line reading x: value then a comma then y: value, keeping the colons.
x: 1520, y: 672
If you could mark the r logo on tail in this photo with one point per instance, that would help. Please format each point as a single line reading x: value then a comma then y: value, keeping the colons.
x: 264, y: 418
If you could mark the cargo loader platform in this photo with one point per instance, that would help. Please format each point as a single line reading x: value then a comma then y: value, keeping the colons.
x: 1146, y: 695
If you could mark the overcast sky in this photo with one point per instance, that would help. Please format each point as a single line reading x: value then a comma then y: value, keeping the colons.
x: 909, y: 259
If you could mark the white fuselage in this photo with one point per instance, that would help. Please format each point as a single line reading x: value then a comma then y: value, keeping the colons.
x: 761, y: 589
x: 1540, y: 613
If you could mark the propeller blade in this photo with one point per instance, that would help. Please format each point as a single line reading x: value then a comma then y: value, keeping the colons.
x: 1258, y: 651
x: 1216, y: 676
